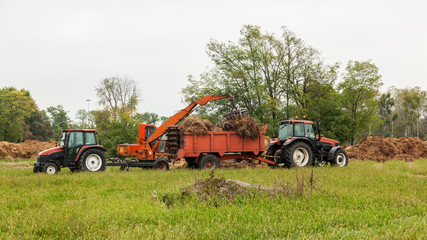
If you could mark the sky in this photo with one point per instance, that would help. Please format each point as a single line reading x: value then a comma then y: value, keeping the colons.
x: 61, y: 50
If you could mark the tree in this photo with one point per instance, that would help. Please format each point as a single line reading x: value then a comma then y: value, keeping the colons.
x: 359, y: 88
x: 148, y: 118
x: 385, y: 109
x: 118, y: 95
x: 85, y: 119
x: 59, y: 119
x: 264, y: 74
x: 15, y: 107
x: 411, y: 104
x: 37, y: 127
x: 117, y: 123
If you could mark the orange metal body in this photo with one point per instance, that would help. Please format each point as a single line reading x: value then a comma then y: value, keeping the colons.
x: 146, y: 149
x: 225, y: 145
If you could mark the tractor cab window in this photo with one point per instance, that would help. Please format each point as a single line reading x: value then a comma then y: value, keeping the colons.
x: 90, y: 138
x: 149, y: 130
x: 62, y: 141
x: 299, y: 130
x: 285, y: 131
x: 309, y: 131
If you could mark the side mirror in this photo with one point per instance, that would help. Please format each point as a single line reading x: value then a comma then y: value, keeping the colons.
x: 319, y: 136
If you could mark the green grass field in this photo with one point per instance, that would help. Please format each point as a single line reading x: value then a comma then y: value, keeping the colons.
x: 366, y: 200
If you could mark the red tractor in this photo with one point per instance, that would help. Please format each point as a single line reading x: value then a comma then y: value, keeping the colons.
x: 78, y: 150
x: 298, y: 146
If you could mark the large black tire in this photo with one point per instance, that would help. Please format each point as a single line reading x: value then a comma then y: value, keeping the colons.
x: 51, y: 168
x: 340, y: 158
x: 161, y: 164
x: 298, y: 154
x: 92, y: 160
x: 209, y: 162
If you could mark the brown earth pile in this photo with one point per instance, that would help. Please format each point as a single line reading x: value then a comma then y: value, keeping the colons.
x: 197, y: 125
x: 383, y: 149
x: 25, y: 150
x: 244, y: 125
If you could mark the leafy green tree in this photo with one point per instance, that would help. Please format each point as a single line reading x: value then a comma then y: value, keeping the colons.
x: 59, y: 119
x: 37, y: 127
x: 148, y: 118
x: 265, y: 74
x: 411, y: 104
x: 15, y: 107
x: 85, y: 119
x: 385, y: 110
x: 359, y: 88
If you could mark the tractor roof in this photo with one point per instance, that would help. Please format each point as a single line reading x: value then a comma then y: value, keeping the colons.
x: 296, y: 121
x: 79, y: 130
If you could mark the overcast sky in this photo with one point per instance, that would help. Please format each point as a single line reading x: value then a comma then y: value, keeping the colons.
x: 61, y: 50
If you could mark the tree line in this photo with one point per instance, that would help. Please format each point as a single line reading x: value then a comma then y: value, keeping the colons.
x: 278, y: 78
x: 274, y: 78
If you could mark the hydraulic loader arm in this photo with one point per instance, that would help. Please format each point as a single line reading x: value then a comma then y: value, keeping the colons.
x: 175, y: 119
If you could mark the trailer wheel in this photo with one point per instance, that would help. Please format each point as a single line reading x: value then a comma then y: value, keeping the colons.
x: 209, y: 162
x: 50, y: 168
x: 299, y: 154
x: 93, y: 160
x: 161, y: 164
x: 340, y: 158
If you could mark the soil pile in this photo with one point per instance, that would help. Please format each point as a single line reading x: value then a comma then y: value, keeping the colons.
x: 383, y: 149
x: 244, y: 125
x: 197, y: 125
x: 25, y: 150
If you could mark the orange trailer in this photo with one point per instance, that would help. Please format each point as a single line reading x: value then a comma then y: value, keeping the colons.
x: 205, y: 151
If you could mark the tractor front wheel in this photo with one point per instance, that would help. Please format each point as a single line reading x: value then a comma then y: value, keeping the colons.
x: 209, y: 162
x: 340, y: 158
x: 51, y: 168
x: 93, y: 160
x: 299, y: 154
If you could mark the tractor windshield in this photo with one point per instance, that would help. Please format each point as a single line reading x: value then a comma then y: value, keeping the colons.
x: 285, y: 131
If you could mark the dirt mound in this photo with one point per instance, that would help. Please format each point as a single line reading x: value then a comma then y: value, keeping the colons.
x: 383, y: 149
x: 244, y: 125
x: 197, y: 125
x: 25, y: 150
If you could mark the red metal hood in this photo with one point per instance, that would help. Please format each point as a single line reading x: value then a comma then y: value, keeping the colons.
x: 50, y: 151
x: 328, y: 140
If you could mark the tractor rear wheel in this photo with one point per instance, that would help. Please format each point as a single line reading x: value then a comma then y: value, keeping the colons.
x: 51, y: 168
x: 299, y: 154
x: 209, y: 162
x: 340, y: 158
x: 161, y: 164
x: 93, y: 160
